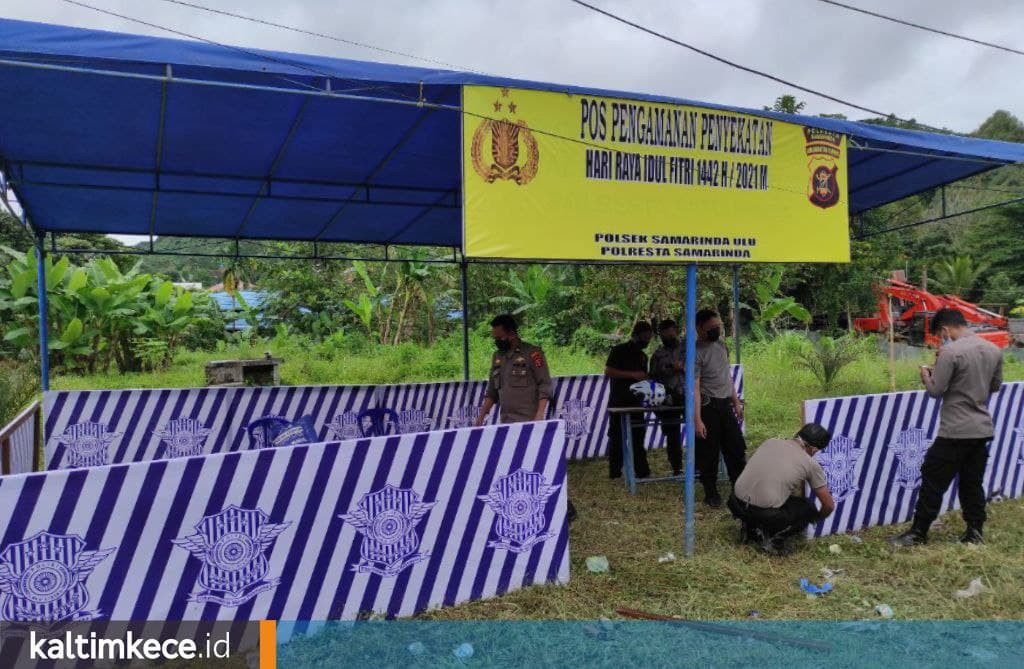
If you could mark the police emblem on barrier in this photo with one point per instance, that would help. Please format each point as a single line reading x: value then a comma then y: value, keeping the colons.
x: 411, y: 421
x: 183, y: 437
x: 577, y: 416
x: 87, y: 443
x: 910, y: 448
x: 387, y: 519
x: 464, y: 416
x: 506, y: 135
x: 840, y: 461
x: 43, y: 578
x: 231, y: 545
x: 824, y: 148
x: 518, y: 501
x: 345, y: 425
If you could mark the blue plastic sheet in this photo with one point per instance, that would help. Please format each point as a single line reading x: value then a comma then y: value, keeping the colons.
x: 88, y: 151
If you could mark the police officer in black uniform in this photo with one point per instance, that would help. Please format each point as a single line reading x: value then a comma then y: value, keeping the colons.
x: 627, y: 364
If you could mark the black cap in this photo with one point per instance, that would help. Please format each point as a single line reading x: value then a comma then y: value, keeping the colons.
x: 815, y: 435
x: 666, y: 324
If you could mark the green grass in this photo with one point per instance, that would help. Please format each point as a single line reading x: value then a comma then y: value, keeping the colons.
x: 724, y: 580
x: 306, y: 365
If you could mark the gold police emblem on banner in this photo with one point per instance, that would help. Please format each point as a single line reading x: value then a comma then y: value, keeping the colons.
x: 508, y: 137
x: 824, y: 148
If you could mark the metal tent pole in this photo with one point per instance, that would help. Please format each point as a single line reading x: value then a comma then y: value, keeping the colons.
x: 691, y: 359
x: 44, y: 344
x: 736, y: 309
x: 465, y: 320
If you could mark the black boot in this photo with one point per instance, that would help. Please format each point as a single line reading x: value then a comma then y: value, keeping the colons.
x: 972, y: 536
x: 775, y: 545
x: 912, y: 537
x: 711, y: 496
x: 570, y: 513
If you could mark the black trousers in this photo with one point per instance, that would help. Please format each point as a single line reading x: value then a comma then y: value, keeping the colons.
x: 788, y: 520
x: 945, y: 459
x: 671, y: 428
x: 640, y: 466
x: 725, y: 438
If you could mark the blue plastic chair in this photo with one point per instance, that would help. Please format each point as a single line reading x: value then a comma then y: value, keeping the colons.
x: 377, y: 426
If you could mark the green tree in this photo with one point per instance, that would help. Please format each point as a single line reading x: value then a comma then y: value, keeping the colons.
x: 772, y: 306
x: 958, y: 276
x: 787, y: 104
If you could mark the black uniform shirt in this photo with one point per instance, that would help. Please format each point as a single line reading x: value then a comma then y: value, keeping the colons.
x: 628, y: 357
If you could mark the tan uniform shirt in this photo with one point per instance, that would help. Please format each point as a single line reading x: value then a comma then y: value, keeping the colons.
x: 519, y: 380
x: 777, y: 471
x: 967, y: 372
x: 713, y: 370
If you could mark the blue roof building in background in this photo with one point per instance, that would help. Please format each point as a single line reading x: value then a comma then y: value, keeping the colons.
x: 229, y: 305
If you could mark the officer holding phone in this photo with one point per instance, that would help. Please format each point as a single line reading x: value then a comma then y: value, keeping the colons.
x: 968, y: 369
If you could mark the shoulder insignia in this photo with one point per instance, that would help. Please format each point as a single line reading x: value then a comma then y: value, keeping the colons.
x: 538, y: 359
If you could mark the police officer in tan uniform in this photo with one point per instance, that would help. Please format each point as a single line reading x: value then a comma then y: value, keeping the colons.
x: 519, y: 383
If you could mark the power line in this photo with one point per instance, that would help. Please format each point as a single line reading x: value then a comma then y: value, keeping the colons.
x: 311, y: 33
x: 248, y: 52
x: 180, y: 33
x: 936, y: 219
x: 739, y: 66
x: 911, y: 24
x: 317, y: 91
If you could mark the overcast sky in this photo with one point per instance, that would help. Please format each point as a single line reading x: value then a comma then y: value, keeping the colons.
x: 878, y: 64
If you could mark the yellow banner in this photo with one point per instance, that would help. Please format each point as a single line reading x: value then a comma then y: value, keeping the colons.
x: 551, y: 176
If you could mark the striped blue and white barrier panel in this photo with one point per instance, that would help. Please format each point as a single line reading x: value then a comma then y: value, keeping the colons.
x: 873, y: 463
x: 95, y: 427
x: 393, y: 525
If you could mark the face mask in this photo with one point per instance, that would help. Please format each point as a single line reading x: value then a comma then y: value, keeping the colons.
x: 713, y: 334
x: 946, y: 339
x: 503, y: 344
x: 670, y: 342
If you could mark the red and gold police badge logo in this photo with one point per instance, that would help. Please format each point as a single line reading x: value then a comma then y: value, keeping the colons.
x: 514, y: 154
x: 824, y: 148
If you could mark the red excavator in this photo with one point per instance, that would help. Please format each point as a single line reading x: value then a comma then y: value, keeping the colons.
x: 912, y: 309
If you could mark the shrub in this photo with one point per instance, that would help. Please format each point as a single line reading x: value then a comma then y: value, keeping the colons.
x: 20, y: 386
x: 591, y: 341
x: 828, y: 356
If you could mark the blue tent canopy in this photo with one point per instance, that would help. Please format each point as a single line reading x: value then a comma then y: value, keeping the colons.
x: 117, y: 133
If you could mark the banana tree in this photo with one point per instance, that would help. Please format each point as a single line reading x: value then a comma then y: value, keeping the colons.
x: 772, y: 305
x: 368, y: 302
x: 164, y: 319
